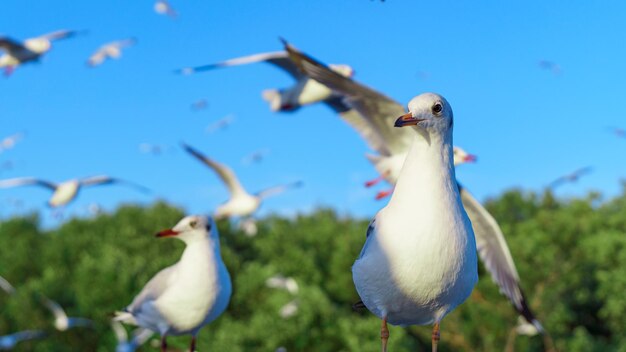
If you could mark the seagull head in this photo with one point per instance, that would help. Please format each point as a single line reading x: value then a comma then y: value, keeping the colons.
x: 462, y: 157
x: 430, y: 112
x: 190, y: 228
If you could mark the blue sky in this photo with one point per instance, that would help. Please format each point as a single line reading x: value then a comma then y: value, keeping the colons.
x: 527, y: 125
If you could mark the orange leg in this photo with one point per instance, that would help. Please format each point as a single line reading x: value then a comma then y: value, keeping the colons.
x: 383, y: 194
x: 436, y: 336
x: 370, y: 183
x: 384, y: 334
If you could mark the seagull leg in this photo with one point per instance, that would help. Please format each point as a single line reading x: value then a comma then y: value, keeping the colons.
x: 384, y: 334
x: 8, y: 71
x: 372, y: 182
x: 436, y: 336
x: 164, y: 343
x: 192, y: 348
x: 382, y: 194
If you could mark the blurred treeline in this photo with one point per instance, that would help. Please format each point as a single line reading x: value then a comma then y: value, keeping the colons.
x: 571, y: 256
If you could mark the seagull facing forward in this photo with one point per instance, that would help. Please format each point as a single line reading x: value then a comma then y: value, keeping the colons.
x: 419, y: 260
x: 182, y: 298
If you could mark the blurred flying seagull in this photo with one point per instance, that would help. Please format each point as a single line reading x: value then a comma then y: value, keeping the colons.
x: 6, y: 286
x: 419, y: 259
x: 550, y: 66
x: 304, y: 92
x: 31, y: 49
x: 255, y: 157
x: 221, y: 123
x: 618, y: 131
x: 140, y: 336
x: 10, y: 141
x: 289, y: 310
x: 163, y: 7
x: 112, y: 50
x: 154, y: 149
x: 200, y: 105
x: 182, y: 298
x: 249, y: 227
x: 61, y: 321
x: 66, y: 191
x: 375, y: 114
x: 571, y: 177
x: 284, y: 283
x: 8, y: 342
x: 241, y: 203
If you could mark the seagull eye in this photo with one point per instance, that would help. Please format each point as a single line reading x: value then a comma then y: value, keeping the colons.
x: 437, y: 108
x: 193, y: 223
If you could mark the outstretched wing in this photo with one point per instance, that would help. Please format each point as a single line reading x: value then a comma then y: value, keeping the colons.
x: 56, y: 35
x: 10, y: 45
x: 279, y: 59
x: 495, y: 254
x: 107, y: 180
x: 29, y: 335
x: 26, y: 181
x: 272, y: 191
x: 224, y: 172
x: 55, y: 308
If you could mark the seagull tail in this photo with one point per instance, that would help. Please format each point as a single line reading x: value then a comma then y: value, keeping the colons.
x: 525, y: 311
x: 125, y: 317
x: 272, y: 96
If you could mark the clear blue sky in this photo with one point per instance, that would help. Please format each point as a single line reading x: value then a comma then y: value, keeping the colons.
x: 527, y: 125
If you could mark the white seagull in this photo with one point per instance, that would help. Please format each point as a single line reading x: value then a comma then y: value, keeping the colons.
x: 61, y: 321
x: 419, y: 261
x: 66, y: 191
x: 112, y: 50
x: 221, y: 123
x: 373, y: 121
x: 6, y: 286
x: 304, y: 92
x: 241, y: 203
x: 163, y: 7
x: 140, y: 336
x: 284, y: 283
x: 182, y: 298
x: 32, y: 49
x: 9, y: 142
x: 8, y: 342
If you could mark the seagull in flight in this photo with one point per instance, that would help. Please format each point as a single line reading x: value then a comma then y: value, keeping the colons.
x: 163, y: 7
x: 372, y: 116
x: 8, y: 342
x: 284, y: 283
x: 571, y: 177
x: 32, y: 49
x: 65, y: 192
x: 9, y: 142
x: 241, y: 203
x: 112, y: 50
x: 61, y: 321
x: 304, y: 92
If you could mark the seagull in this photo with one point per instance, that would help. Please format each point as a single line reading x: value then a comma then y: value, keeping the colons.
x: 375, y: 112
x: 140, y: 336
x: 31, y: 49
x: 419, y: 260
x: 221, y: 123
x: 550, y: 66
x: 304, y: 92
x: 571, y: 177
x: 10, y: 141
x: 182, y: 298
x: 61, y: 321
x: 66, y: 191
x: 6, y: 286
x: 249, y: 227
x: 284, y: 283
x: 241, y: 203
x: 618, y: 131
x: 154, y: 149
x: 289, y: 310
x: 112, y: 50
x: 8, y: 342
x: 163, y: 7
x: 255, y: 157
x: 200, y: 105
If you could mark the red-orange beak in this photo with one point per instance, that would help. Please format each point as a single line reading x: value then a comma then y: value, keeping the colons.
x: 471, y: 158
x: 407, y: 120
x: 167, y: 233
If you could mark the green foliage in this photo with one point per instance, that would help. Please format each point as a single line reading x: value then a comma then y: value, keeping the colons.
x: 571, y: 256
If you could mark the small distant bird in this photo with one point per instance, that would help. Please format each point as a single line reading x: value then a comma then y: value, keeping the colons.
x: 571, y: 177
x: 8, y: 342
x: 140, y: 336
x: 200, y: 105
x: 154, y: 149
x: 289, y: 310
x: 249, y: 227
x: 284, y: 283
x: 304, y: 92
x: 550, y: 66
x: 10, y: 141
x: 182, y: 298
x: 30, y: 50
x: 163, y: 7
x: 112, y: 50
x: 255, y: 157
x: 220, y: 124
x: 6, y: 286
x: 619, y: 132
x: 419, y: 260
x: 241, y: 203
x: 65, y: 192
x: 6, y: 165
x: 61, y: 321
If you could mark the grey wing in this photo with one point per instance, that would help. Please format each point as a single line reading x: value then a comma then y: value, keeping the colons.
x: 369, y: 235
x: 29, y: 335
x: 107, y: 180
x: 141, y: 335
x: 61, y: 34
x: 495, y: 254
x: 26, y: 181
x: 55, y: 308
x: 153, y: 289
x: 224, y: 172
x: 272, y: 191
x: 10, y: 45
x: 120, y: 333
x: 279, y: 59
x: 6, y: 286
x: 379, y: 110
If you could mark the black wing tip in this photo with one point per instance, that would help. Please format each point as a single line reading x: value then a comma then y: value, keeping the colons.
x: 528, y: 315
